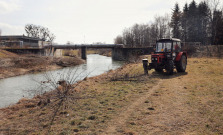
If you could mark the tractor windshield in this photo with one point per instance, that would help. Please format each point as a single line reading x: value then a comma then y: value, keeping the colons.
x: 163, y: 46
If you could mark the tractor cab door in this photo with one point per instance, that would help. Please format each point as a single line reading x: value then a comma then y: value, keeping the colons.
x: 176, y: 48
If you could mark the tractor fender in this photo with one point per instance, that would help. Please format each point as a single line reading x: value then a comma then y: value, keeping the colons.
x: 180, y: 54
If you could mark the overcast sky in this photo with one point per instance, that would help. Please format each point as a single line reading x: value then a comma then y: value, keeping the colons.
x: 81, y: 21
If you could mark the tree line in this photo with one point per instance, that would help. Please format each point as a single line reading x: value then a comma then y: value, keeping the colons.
x: 37, y: 31
x: 201, y: 22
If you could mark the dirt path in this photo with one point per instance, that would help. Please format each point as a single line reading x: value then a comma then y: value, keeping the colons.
x: 163, y: 110
x: 121, y: 119
x: 172, y: 114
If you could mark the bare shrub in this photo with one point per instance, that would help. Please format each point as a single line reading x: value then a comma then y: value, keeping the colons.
x: 128, y: 72
x: 71, y: 53
x: 191, y: 50
x: 66, y: 53
x: 62, y: 91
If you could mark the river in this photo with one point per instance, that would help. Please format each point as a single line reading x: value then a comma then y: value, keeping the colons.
x: 14, y: 88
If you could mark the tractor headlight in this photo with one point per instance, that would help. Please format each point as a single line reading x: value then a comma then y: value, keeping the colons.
x: 155, y: 58
x: 152, y: 58
x: 174, y: 54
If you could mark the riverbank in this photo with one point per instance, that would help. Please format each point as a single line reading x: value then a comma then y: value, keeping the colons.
x: 104, y: 52
x: 124, y: 101
x: 14, y: 65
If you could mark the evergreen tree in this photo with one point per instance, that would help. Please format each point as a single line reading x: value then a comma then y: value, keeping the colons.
x: 184, y: 23
x: 203, y: 26
x: 217, y: 32
x: 175, y: 22
x: 193, y: 22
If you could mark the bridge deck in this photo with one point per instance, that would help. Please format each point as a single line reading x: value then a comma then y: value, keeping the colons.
x: 76, y: 46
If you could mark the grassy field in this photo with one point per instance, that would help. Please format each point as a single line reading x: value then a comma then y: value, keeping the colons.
x: 125, y: 101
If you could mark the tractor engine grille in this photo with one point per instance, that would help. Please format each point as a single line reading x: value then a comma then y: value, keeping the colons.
x: 154, y: 59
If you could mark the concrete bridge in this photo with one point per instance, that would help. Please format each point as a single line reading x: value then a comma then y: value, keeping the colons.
x: 83, y: 47
x: 119, y: 52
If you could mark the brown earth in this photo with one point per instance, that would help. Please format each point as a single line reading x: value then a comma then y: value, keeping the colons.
x: 13, y: 65
x: 125, y: 102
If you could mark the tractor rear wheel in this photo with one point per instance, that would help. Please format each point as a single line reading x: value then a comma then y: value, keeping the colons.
x: 169, y: 67
x: 182, y: 64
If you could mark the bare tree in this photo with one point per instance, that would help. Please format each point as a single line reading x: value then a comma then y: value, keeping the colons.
x: 28, y: 29
x: 163, y: 26
x: 39, y: 32
x: 140, y: 35
x: 213, y: 4
x: 51, y: 37
x: 118, y: 40
x: 214, y: 12
x: 44, y: 33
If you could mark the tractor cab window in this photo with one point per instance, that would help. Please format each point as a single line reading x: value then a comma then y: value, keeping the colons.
x: 163, y: 46
x: 176, y: 46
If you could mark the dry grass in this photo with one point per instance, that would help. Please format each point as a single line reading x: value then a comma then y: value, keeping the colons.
x: 74, y: 53
x: 206, y: 94
x: 188, y: 103
x: 91, y: 51
x: 97, y: 101
x: 185, y: 103
x: 4, y: 54
x: 23, y: 64
x: 104, y: 52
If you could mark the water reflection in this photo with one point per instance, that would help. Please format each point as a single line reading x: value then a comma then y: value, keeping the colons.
x: 14, y: 88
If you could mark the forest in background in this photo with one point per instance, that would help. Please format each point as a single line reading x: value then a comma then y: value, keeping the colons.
x: 202, y: 22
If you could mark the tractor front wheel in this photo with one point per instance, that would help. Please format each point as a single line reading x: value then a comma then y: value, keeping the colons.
x: 181, y: 65
x: 169, y: 67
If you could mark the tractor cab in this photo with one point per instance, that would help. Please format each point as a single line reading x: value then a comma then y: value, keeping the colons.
x: 166, y: 48
x: 168, y: 55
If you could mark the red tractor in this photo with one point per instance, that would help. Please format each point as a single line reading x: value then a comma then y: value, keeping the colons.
x: 168, y: 55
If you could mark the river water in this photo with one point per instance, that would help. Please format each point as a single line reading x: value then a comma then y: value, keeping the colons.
x: 14, y: 88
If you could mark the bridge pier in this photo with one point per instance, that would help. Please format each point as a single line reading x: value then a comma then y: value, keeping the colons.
x: 119, y: 54
x: 84, y: 53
